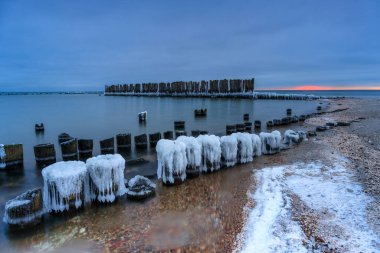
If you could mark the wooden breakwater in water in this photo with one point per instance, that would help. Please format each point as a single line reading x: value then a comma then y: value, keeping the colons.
x: 214, y: 88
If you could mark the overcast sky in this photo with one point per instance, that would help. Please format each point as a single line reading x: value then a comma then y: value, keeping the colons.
x: 50, y: 45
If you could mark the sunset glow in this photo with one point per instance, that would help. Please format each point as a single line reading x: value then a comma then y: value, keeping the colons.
x: 321, y: 87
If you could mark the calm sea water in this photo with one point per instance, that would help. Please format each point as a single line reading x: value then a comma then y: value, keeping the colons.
x: 99, y: 117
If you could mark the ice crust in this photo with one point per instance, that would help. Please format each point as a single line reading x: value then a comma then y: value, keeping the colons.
x: 245, y: 147
x: 172, y: 160
x: 270, y: 142
x: 229, y: 148
x: 144, y: 185
x: 106, y: 172
x: 193, y: 150
x: 211, y: 152
x: 2, y: 156
x: 62, y: 181
x: 330, y: 191
x: 29, y: 217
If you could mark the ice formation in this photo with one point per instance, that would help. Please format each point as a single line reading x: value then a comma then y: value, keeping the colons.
x: 211, y: 152
x: 106, y: 173
x: 172, y: 161
x: 2, y: 156
x: 245, y: 147
x: 291, y: 137
x: 302, y: 135
x: 229, y: 146
x: 331, y: 192
x: 256, y: 142
x: 193, y: 151
x: 63, y: 183
x: 24, y: 209
x: 140, y: 187
x: 270, y: 142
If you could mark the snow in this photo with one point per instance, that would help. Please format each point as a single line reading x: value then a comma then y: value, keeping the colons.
x: 270, y: 142
x: 193, y: 150
x: 245, y: 147
x: 332, y: 192
x: 62, y: 180
x: 172, y: 160
x: 211, y: 152
x: 256, y: 142
x: 2, y: 156
x: 106, y: 173
x: 229, y: 147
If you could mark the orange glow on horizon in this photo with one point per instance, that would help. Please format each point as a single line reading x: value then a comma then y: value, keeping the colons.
x: 321, y: 87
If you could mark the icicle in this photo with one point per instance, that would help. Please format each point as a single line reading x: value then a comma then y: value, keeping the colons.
x: 2, y: 156
x: 256, y: 142
x: 106, y: 176
x: 172, y: 161
x: 63, y: 182
x: 245, y: 147
x: 211, y: 152
x: 193, y: 151
x: 270, y: 142
x: 229, y: 147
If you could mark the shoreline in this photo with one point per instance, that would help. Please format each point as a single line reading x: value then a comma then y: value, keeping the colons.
x: 204, y: 214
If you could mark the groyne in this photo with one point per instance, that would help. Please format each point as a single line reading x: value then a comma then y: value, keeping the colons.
x: 213, y: 88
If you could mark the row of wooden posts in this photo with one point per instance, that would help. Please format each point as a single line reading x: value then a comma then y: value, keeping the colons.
x: 181, y: 87
x: 74, y: 149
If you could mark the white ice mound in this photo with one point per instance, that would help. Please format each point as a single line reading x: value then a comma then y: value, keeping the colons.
x: 193, y: 150
x: 211, y: 152
x: 292, y: 137
x: 106, y: 174
x: 2, y: 156
x: 229, y: 146
x: 270, y: 142
x: 172, y: 161
x: 245, y: 147
x: 65, y: 185
x: 256, y: 142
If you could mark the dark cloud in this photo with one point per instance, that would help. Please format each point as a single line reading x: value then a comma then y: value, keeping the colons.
x: 82, y: 45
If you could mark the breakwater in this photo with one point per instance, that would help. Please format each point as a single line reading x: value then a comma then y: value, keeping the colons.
x: 213, y: 88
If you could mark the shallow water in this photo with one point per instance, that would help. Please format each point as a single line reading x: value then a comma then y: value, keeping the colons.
x: 100, y: 117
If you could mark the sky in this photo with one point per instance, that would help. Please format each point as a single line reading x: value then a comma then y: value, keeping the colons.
x: 70, y: 45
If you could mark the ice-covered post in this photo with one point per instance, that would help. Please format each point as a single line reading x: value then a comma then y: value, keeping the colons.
x: 229, y: 147
x: 25, y: 210
x: 172, y: 161
x: 2, y: 156
x: 193, y: 155
x: 106, y: 177
x: 245, y: 147
x: 270, y: 142
x: 65, y: 186
x: 211, y: 152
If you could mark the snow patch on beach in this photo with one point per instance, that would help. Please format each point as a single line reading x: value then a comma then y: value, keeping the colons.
x: 330, y: 191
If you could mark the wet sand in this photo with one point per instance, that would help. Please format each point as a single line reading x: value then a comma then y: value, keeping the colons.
x: 207, y: 213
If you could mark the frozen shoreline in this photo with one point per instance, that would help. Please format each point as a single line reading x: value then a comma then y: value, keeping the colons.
x: 329, y: 191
